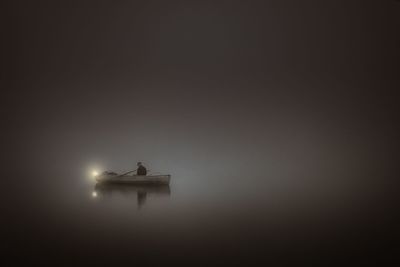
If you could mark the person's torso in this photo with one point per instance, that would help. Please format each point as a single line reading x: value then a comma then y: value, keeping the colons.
x: 141, y: 170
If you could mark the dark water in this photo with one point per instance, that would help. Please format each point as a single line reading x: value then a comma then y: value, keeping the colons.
x: 65, y: 218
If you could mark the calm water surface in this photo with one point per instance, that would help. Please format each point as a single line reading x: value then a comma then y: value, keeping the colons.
x: 236, y: 218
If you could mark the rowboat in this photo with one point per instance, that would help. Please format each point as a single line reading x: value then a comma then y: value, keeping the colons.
x: 134, y: 179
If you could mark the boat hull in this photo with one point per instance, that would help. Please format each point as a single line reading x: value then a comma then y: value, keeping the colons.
x: 134, y: 179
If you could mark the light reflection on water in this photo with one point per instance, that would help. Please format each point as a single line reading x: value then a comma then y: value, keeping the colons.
x: 130, y: 192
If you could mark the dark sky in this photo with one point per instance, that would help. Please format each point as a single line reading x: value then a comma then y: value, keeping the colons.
x: 290, y: 85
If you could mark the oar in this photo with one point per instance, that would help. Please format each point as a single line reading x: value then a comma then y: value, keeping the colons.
x: 126, y: 173
x: 130, y: 172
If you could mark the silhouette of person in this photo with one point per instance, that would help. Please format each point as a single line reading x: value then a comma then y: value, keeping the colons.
x: 141, y: 170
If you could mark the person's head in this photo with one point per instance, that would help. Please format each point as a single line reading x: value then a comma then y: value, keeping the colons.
x: 139, y: 164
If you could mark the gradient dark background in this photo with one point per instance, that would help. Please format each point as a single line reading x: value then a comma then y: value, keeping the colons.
x: 242, y: 96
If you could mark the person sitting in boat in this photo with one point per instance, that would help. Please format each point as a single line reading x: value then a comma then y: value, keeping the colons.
x: 141, y: 170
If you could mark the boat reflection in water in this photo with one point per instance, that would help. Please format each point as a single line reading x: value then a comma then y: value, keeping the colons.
x: 104, y: 190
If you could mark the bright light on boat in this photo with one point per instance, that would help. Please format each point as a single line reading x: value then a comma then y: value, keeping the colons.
x: 94, y: 194
x: 95, y: 173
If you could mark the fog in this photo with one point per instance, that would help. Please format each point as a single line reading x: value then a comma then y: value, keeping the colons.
x: 277, y: 121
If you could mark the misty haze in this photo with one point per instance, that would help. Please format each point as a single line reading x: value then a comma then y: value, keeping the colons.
x: 276, y: 121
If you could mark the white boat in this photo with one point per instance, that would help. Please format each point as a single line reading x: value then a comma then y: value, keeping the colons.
x: 133, y: 179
